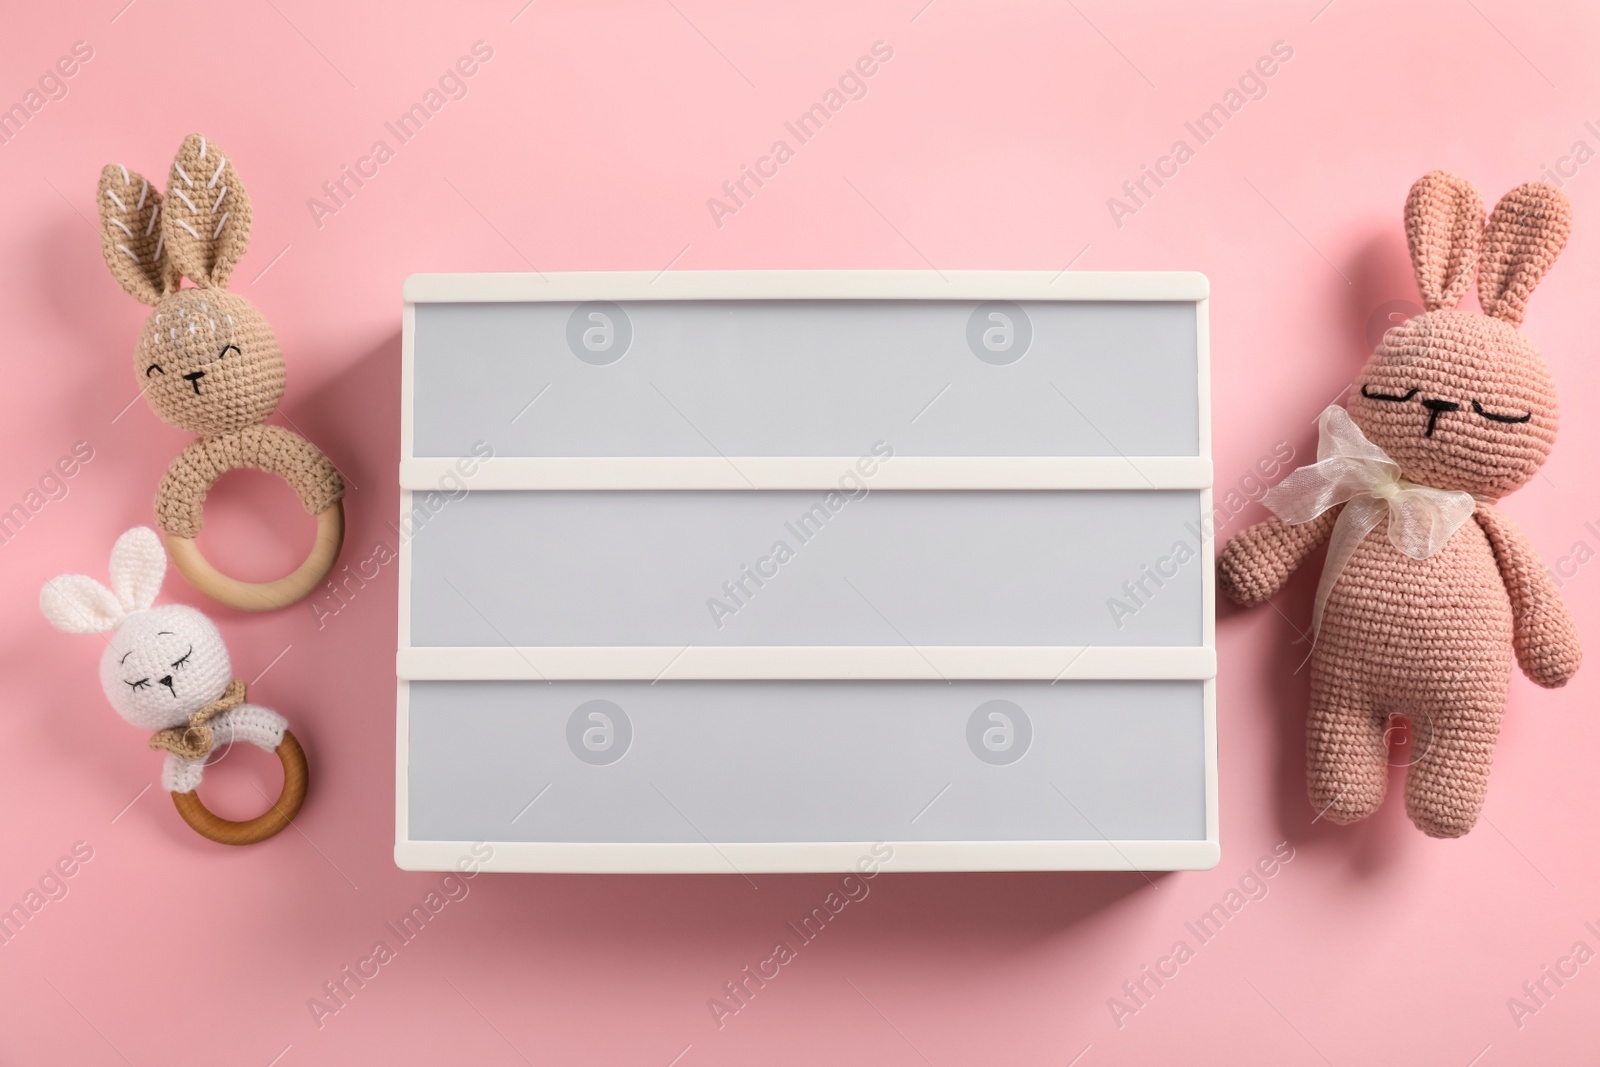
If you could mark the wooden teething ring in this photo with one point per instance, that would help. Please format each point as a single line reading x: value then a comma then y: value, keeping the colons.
x: 263, y: 826
x: 180, y: 510
x: 263, y: 596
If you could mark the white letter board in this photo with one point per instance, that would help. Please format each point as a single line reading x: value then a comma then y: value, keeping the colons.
x: 747, y: 571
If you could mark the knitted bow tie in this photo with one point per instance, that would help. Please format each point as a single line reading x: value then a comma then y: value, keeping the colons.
x: 195, y: 741
x: 1352, y: 471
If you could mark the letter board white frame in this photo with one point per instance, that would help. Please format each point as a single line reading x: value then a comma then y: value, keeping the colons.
x: 721, y: 309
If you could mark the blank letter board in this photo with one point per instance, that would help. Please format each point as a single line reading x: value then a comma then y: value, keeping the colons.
x: 738, y: 572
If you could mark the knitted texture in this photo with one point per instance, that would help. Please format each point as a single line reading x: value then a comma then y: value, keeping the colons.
x: 180, y: 500
x: 1526, y: 233
x: 1461, y: 359
x: 1259, y: 560
x: 208, y: 214
x: 195, y: 739
x: 1460, y: 402
x: 164, y: 668
x: 1545, y: 640
x: 1426, y: 639
x: 209, y: 363
x: 131, y: 237
x: 163, y: 665
x: 1444, y: 230
x: 248, y: 722
x: 78, y: 604
x: 207, y: 360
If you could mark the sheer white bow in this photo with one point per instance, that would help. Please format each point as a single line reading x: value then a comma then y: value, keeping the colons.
x: 1352, y: 471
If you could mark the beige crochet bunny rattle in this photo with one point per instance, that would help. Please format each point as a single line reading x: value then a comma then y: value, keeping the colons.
x: 209, y: 363
x: 1420, y: 610
x: 166, y: 669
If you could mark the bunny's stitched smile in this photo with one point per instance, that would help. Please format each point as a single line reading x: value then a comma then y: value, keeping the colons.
x: 1437, y: 407
x: 194, y: 376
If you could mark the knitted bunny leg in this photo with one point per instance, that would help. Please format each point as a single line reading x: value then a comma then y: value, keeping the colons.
x: 1347, y: 769
x: 1447, y: 784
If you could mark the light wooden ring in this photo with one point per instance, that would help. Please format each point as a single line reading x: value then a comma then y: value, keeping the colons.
x: 263, y: 596
x: 271, y: 822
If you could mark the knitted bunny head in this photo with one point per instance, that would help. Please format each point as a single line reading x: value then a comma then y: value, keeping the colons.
x: 207, y: 360
x: 1462, y: 400
x: 161, y: 664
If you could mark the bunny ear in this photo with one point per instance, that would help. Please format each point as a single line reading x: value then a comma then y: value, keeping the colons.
x: 79, y: 605
x: 138, y: 564
x: 1444, y: 227
x: 208, y: 214
x: 131, y: 238
x: 1526, y: 233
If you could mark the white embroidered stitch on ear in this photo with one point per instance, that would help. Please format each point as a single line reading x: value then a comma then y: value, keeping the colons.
x: 138, y: 564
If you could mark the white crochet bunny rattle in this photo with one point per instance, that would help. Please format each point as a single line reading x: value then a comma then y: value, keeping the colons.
x: 166, y: 669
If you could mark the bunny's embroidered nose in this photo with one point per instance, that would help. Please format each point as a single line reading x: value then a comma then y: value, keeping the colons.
x: 1435, y: 409
x: 166, y: 680
x: 194, y: 376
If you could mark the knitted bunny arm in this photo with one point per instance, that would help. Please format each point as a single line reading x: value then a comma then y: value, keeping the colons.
x: 260, y: 726
x: 182, y: 495
x: 1259, y: 559
x: 247, y: 722
x: 1544, y: 635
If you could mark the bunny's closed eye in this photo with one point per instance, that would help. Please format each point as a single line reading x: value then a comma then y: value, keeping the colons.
x: 1443, y: 405
x: 1477, y: 407
x: 1387, y: 396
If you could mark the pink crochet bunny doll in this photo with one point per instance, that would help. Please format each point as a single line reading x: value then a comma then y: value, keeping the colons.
x: 1420, y: 610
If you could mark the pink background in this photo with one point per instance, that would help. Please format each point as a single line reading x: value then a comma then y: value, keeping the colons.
x: 591, y: 141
